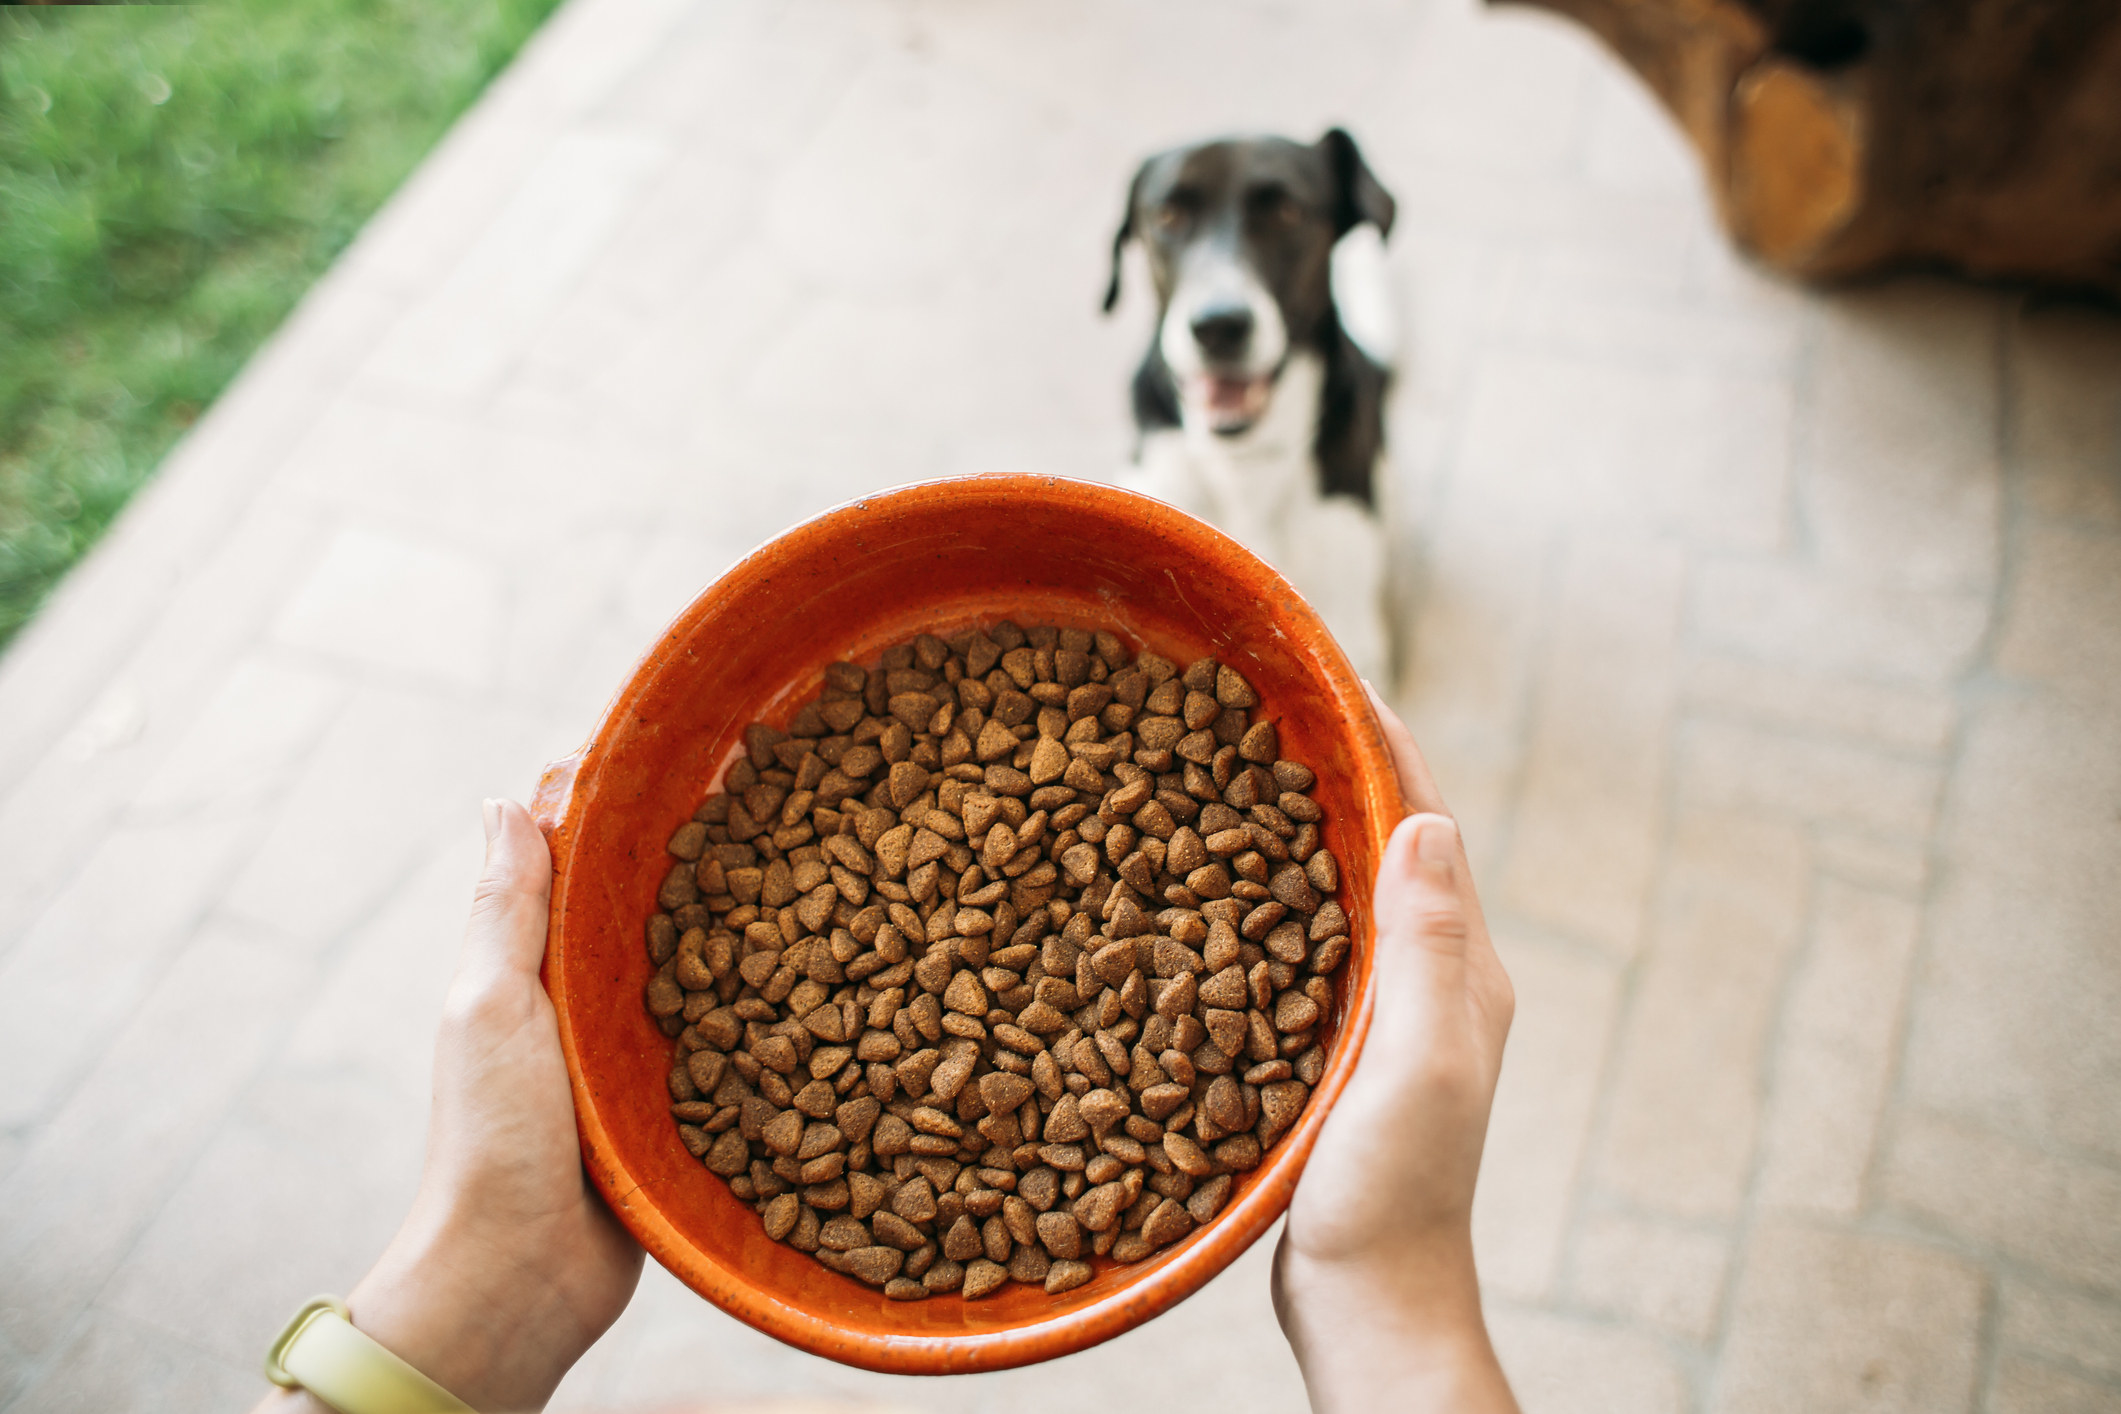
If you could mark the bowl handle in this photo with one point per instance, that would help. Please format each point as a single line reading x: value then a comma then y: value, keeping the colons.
x: 555, y: 793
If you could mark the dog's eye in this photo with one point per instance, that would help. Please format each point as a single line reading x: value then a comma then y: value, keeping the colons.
x: 1274, y: 206
x: 1170, y: 215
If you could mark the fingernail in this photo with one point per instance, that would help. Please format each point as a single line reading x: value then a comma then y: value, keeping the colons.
x: 490, y: 814
x: 1439, y: 839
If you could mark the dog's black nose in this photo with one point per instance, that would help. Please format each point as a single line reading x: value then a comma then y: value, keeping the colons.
x: 1223, y: 330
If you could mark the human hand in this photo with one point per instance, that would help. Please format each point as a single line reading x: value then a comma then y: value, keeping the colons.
x: 1376, y: 1260
x: 509, y: 1266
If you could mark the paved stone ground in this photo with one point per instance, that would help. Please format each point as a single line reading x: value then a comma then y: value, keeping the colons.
x: 1769, y: 644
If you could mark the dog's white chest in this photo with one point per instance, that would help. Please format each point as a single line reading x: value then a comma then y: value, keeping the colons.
x: 1262, y: 489
x: 1259, y: 486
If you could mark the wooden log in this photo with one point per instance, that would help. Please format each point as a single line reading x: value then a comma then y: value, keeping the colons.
x: 1842, y: 137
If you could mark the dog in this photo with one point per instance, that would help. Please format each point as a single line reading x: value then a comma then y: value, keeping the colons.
x: 1255, y: 408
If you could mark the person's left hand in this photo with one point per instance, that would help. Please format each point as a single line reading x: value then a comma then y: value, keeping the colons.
x: 509, y: 1266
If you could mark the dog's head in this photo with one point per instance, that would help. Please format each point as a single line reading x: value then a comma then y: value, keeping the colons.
x: 1240, y: 236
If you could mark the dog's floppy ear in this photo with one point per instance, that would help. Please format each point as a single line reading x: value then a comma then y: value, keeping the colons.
x: 1361, y: 196
x: 1124, y: 234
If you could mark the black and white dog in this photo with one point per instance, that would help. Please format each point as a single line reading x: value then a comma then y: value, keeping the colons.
x: 1257, y: 411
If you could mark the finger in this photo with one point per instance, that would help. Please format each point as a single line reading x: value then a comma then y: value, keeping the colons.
x: 508, y: 912
x: 1419, y: 902
x: 1415, y: 782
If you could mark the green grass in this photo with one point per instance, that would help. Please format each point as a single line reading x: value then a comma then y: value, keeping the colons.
x: 171, y: 181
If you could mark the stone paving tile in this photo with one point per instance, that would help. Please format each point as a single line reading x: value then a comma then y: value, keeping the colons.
x: 2023, y: 1387
x: 239, y: 1243
x: 98, y: 950
x: 2011, y: 1021
x: 1593, y: 442
x: 1558, y: 1365
x: 1683, y: 1106
x: 1820, y: 621
x: 74, y: 794
x: 2057, y: 1213
x: 1663, y: 1274
x: 2057, y: 1324
x: 115, y: 1365
x: 15, y: 1370
x: 1764, y: 639
x: 1632, y: 145
x: 394, y: 770
x: 1470, y: 669
x: 245, y: 744
x: 1591, y: 807
x: 1897, y: 866
x: 1725, y: 766
x: 2062, y: 622
x: 458, y: 343
x: 1901, y: 448
x: 1871, y: 713
x: 158, y: 1091
x: 1566, y: 1000
x: 1824, y: 1320
x: 570, y: 69
x: 374, y: 1009
x: 380, y: 601
x: 1834, y: 1056
x: 1548, y: 308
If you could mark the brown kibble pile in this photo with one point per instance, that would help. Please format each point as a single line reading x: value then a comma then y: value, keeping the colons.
x: 1006, y: 956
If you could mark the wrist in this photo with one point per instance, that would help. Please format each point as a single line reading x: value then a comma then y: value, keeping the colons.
x: 1428, y: 1286
x: 437, y: 1300
x: 1396, y: 1320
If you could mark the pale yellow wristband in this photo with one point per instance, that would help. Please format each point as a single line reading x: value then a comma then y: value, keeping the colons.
x: 322, y: 1352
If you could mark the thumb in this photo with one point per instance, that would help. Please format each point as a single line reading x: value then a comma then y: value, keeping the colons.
x: 508, y: 912
x: 1421, y: 912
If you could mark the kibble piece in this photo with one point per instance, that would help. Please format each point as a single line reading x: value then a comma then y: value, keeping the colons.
x: 1066, y: 1276
x: 1208, y: 1198
x: 983, y: 1278
x: 1003, y: 957
x: 1060, y: 1234
x: 1167, y: 1224
x: 780, y: 1215
x: 962, y: 1242
x: 875, y: 1265
x: 1099, y: 1208
x: 841, y: 1233
x: 1187, y: 1156
x: 915, y: 1201
x: 1029, y: 1264
x: 894, y: 1231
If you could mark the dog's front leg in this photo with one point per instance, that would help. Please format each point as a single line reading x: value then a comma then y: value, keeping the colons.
x: 1337, y: 561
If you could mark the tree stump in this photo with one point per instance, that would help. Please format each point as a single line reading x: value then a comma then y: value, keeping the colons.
x: 1841, y: 137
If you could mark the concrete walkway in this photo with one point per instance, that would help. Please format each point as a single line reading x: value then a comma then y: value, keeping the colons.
x: 1769, y: 644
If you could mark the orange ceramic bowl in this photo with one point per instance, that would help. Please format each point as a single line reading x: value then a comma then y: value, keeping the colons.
x: 753, y: 647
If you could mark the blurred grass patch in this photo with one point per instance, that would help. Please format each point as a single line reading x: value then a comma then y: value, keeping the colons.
x: 171, y: 180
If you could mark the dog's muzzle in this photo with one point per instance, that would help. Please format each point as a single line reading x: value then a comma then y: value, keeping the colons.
x: 1225, y: 343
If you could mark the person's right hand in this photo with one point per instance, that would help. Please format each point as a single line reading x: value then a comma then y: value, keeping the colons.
x: 1374, y: 1280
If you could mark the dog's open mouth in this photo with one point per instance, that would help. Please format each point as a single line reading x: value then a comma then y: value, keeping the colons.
x: 1230, y: 405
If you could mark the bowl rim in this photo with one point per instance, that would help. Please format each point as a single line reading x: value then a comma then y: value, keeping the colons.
x: 558, y: 810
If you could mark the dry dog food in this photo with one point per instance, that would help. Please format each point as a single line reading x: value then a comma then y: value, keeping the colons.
x: 1006, y: 955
